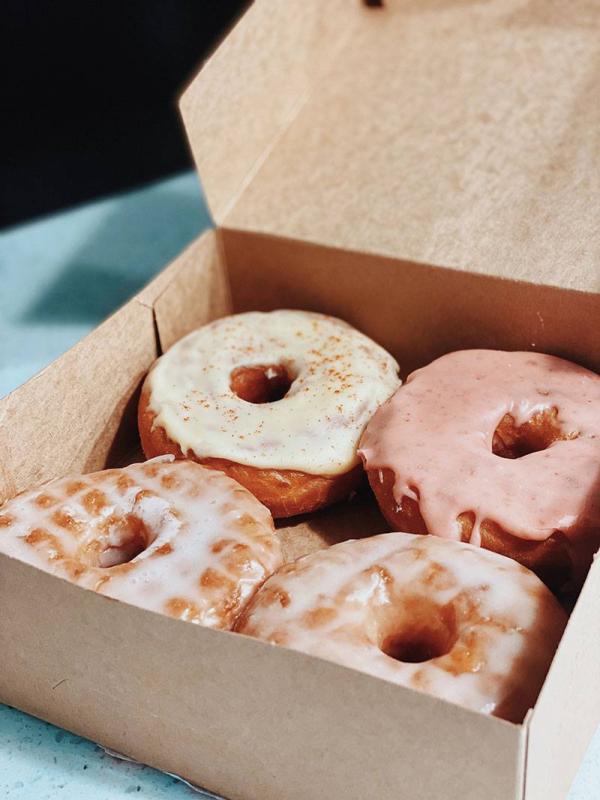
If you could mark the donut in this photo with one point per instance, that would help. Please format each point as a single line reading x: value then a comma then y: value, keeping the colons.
x: 169, y: 536
x: 277, y: 400
x: 498, y: 449
x: 449, y: 619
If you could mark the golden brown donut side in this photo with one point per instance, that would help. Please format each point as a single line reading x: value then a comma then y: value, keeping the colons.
x: 551, y: 559
x: 286, y: 493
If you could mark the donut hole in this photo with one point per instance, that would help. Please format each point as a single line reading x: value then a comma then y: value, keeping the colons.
x: 414, y: 649
x: 429, y: 631
x: 266, y: 383
x: 122, y: 540
x: 538, y: 433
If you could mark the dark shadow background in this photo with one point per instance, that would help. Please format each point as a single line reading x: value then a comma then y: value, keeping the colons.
x: 88, y: 98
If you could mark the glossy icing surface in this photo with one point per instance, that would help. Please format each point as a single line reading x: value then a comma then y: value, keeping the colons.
x: 436, y: 434
x: 339, y: 377
x: 491, y: 627
x: 170, y: 536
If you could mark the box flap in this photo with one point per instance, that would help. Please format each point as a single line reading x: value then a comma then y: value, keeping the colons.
x: 567, y: 712
x: 197, y: 291
x: 250, y: 89
x: 244, y: 718
x: 449, y: 133
x: 415, y: 319
x: 79, y: 413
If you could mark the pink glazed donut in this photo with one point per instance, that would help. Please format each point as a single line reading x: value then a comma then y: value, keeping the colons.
x: 446, y: 618
x: 498, y: 449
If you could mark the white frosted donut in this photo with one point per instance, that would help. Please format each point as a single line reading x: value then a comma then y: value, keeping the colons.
x: 170, y: 536
x: 330, y: 380
x: 446, y: 618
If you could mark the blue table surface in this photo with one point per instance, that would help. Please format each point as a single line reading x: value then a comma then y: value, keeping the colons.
x: 60, y: 277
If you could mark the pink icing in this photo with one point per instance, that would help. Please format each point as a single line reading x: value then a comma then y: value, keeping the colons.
x: 436, y: 435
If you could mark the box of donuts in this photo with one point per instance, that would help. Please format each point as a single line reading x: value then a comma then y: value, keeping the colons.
x: 314, y: 515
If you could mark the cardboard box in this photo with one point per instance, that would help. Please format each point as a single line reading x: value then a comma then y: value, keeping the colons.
x: 428, y: 171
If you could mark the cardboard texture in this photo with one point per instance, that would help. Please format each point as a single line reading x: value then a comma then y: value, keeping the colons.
x: 252, y: 87
x: 193, y: 296
x: 247, y: 720
x: 38, y: 440
x: 421, y: 311
x: 427, y: 171
x: 463, y: 134
x: 567, y: 712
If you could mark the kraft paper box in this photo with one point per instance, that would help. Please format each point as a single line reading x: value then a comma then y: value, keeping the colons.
x: 427, y: 171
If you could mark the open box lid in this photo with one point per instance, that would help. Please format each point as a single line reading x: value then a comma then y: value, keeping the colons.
x: 457, y: 133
